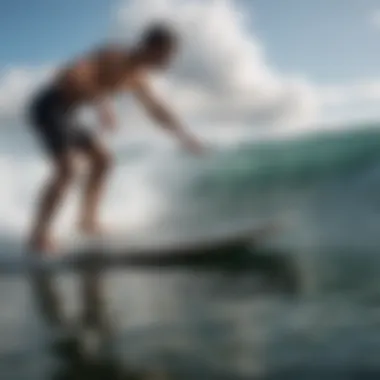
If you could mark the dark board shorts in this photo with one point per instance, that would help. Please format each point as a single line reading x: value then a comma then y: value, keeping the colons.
x: 55, y: 124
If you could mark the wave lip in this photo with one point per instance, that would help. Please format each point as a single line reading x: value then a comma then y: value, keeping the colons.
x: 298, y: 160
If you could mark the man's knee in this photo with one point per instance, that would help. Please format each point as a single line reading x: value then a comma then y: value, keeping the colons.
x: 65, y: 172
x: 101, y: 162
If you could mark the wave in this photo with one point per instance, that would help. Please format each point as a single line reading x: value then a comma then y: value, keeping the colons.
x: 266, y: 163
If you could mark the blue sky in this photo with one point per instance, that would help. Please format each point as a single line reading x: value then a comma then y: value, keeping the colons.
x: 330, y: 41
x: 44, y: 31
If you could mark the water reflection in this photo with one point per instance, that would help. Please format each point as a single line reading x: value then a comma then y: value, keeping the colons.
x: 198, y: 325
x: 84, y: 344
x: 74, y: 365
x: 78, y: 356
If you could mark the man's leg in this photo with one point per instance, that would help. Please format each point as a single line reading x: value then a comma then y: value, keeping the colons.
x: 99, y: 165
x: 52, y: 196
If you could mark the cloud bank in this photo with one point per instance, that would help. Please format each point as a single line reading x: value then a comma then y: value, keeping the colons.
x: 222, y: 74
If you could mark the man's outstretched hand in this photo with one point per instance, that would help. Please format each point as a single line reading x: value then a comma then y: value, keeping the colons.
x: 193, y: 145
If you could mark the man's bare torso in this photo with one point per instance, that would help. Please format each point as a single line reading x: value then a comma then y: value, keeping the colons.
x: 102, y: 73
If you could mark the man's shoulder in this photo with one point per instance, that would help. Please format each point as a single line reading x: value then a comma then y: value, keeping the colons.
x: 112, y: 51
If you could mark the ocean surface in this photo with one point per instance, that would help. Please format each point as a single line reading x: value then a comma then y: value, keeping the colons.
x: 321, y: 190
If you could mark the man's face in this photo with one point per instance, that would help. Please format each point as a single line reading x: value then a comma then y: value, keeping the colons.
x: 160, y: 56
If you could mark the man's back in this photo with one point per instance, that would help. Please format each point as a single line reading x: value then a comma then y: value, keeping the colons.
x: 104, y: 72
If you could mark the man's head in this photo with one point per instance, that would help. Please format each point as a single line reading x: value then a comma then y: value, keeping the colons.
x: 158, y: 44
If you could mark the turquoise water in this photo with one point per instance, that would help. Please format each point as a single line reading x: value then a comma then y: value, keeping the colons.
x: 322, y: 190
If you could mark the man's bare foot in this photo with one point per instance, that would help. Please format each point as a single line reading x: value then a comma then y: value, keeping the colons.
x: 43, y: 244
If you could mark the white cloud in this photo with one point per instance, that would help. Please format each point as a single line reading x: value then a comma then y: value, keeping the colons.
x: 16, y: 86
x: 222, y: 72
x: 363, y: 91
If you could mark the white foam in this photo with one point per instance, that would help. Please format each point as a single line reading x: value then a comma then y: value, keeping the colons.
x: 132, y: 199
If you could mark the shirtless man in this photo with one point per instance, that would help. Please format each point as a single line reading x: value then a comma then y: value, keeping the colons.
x: 91, y: 80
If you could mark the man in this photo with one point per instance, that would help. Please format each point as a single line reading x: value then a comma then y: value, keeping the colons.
x: 91, y: 80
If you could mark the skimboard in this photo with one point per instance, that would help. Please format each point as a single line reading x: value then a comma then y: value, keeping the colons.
x: 114, y: 251
x: 232, y: 252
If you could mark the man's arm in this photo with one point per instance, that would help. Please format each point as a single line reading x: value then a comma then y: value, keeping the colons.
x: 106, y: 113
x: 103, y: 56
x: 161, y: 114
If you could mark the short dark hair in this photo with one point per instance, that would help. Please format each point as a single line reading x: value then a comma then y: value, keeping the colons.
x: 159, y: 35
